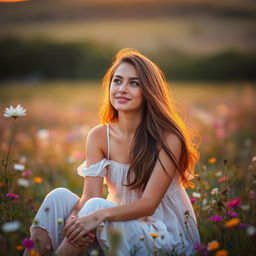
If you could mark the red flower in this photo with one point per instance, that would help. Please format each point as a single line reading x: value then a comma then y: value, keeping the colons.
x: 234, y: 203
x: 222, y: 179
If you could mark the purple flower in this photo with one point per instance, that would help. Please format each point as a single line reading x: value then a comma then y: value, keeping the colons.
x: 243, y: 225
x: 28, y: 243
x: 201, y: 248
x: 232, y: 213
x: 216, y: 218
x: 193, y: 200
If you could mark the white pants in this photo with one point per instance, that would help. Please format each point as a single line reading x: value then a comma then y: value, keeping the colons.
x: 57, y: 206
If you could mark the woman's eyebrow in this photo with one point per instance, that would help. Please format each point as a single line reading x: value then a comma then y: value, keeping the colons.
x: 132, y: 78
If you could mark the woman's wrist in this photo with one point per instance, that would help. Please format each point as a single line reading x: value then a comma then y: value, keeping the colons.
x: 101, y: 215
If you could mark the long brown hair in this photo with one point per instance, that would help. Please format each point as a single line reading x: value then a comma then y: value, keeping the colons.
x: 159, y: 116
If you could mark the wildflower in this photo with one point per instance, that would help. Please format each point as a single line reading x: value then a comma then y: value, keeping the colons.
x: 154, y: 235
x: 193, y: 200
x: 232, y: 223
x: 243, y: 225
x: 60, y: 221
x: 251, y: 231
x: 216, y: 218
x: 254, y: 159
x: 14, y: 112
x: 19, y: 247
x: 232, y: 213
x: 201, y: 248
x: 214, y: 245
x: 234, y: 203
x: 215, y: 191
x: 19, y: 167
x: 245, y: 207
x: 38, y: 180
x: 27, y: 173
x: 12, y: 195
x: 11, y: 226
x: 23, y: 183
x: 225, y: 162
x: 212, y: 160
x: 221, y: 253
x: 28, y: 243
x: 196, y: 194
x: 34, y: 253
x: 218, y: 174
x: 224, y: 192
x: 94, y: 252
x: 222, y: 179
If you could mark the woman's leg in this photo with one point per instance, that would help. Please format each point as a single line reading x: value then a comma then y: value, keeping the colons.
x: 47, y: 228
x: 40, y: 237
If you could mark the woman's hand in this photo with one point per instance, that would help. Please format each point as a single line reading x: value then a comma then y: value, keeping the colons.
x: 77, y: 227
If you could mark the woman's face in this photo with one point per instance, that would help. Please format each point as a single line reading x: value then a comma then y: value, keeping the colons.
x: 125, y: 89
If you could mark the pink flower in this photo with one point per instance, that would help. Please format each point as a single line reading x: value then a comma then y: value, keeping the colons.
x: 11, y: 195
x: 234, y: 203
x: 193, y: 200
x: 28, y: 243
x: 27, y: 173
x: 232, y: 213
x: 222, y: 179
x: 201, y: 248
x: 216, y: 218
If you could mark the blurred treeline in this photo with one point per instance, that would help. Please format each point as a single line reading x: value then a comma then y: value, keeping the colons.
x: 41, y: 59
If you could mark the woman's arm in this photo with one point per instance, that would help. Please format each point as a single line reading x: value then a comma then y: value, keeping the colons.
x: 154, y: 191
x: 93, y: 186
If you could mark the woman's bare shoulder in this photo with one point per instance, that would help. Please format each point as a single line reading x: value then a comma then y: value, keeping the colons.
x: 97, y: 133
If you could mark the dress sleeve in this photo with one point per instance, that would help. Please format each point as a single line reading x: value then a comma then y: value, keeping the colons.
x: 97, y: 169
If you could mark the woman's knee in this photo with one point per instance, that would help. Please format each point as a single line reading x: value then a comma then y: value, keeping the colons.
x: 60, y: 193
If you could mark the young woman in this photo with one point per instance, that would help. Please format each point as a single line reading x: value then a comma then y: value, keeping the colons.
x: 146, y: 155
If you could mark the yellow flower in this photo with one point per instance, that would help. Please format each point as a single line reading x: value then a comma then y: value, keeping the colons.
x: 19, y: 247
x: 231, y: 223
x: 214, y: 245
x: 38, y: 180
x: 221, y: 253
x: 212, y: 160
x: 34, y: 253
x: 154, y: 235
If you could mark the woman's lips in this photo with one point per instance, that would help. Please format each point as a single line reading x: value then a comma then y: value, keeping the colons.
x: 122, y: 99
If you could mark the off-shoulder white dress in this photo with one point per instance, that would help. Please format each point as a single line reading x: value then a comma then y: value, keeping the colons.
x: 176, y: 232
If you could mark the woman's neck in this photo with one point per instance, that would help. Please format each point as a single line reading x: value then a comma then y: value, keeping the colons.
x: 128, y: 124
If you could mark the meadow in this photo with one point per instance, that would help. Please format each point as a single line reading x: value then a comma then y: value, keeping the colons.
x: 48, y: 144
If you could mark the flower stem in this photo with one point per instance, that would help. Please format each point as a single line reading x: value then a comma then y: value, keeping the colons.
x: 6, y: 161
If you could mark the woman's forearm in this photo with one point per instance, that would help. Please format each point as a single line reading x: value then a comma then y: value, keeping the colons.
x: 134, y: 210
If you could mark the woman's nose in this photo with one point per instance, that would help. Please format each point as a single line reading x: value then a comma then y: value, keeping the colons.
x: 123, y: 86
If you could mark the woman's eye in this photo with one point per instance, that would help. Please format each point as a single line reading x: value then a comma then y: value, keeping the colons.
x: 135, y: 83
x: 116, y: 81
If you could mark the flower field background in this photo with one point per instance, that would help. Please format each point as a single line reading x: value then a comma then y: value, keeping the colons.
x: 48, y: 144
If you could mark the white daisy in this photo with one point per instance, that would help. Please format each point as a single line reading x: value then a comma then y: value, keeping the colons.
x: 14, y: 112
x: 23, y: 182
x: 11, y: 226
x: 215, y: 191
x: 19, y: 167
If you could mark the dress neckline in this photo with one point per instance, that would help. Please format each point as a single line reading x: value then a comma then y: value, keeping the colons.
x: 118, y: 163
